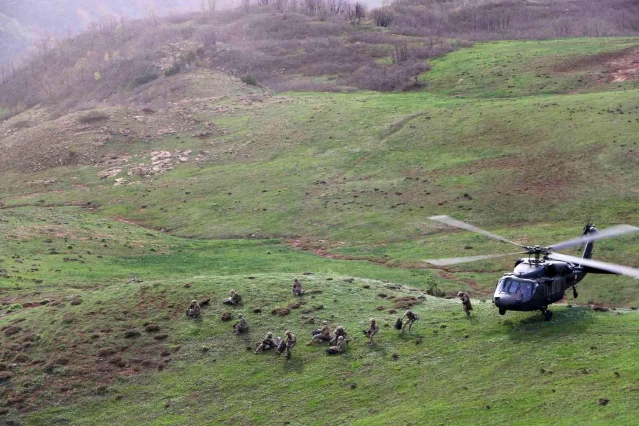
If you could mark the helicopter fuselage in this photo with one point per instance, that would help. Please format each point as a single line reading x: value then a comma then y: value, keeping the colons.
x: 535, y: 284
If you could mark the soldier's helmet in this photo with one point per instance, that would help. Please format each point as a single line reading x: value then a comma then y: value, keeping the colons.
x: 340, y: 338
x: 193, y: 301
x: 269, y: 334
x: 232, y: 291
x: 340, y: 328
x: 372, y: 319
x: 239, y: 315
x: 288, y: 332
x: 460, y: 294
x: 325, y: 322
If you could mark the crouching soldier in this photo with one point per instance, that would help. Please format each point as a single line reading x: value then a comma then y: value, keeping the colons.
x: 337, y: 333
x: 297, y: 288
x: 465, y: 299
x: 267, y: 344
x: 411, y: 317
x: 235, y: 299
x: 339, y: 348
x: 372, y: 330
x: 240, y: 326
x: 193, y: 311
x: 322, y: 335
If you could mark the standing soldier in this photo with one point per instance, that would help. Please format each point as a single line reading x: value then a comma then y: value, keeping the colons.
x: 373, y: 328
x: 339, y: 348
x: 339, y: 331
x: 193, y: 310
x: 240, y: 326
x: 297, y: 288
x: 291, y: 341
x: 465, y: 299
x: 410, y: 319
x: 321, y: 335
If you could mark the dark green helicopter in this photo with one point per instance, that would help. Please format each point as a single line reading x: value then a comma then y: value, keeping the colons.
x: 543, y: 277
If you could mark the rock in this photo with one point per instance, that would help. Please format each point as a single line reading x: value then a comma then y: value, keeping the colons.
x: 167, y: 404
x: 161, y: 336
x: 3, y: 366
x: 132, y: 333
x: 382, y: 295
x: 11, y: 330
x: 76, y: 302
x: 165, y: 353
x: 226, y: 316
x: 104, y: 352
x: 45, y: 302
x: 257, y: 310
x: 617, y: 374
x: 21, y: 359
x: 5, y: 375
x: 151, y: 328
x: 603, y: 401
x: 281, y: 311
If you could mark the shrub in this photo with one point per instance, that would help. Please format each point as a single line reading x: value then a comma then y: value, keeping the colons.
x: 174, y: 69
x: 14, y: 307
x: 93, y: 117
x: 145, y: 78
x: 249, y: 79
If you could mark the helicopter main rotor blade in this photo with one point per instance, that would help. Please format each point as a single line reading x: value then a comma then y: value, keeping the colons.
x: 467, y: 226
x: 615, y: 231
x: 457, y: 260
x: 610, y: 267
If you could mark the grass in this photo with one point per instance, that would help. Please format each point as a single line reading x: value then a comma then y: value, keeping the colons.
x: 337, y: 186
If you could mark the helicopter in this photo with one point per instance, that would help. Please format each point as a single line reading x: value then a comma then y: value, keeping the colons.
x: 545, y: 275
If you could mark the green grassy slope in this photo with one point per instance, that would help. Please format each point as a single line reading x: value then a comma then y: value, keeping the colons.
x: 338, y: 186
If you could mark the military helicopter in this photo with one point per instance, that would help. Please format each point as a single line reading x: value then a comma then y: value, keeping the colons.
x: 544, y: 276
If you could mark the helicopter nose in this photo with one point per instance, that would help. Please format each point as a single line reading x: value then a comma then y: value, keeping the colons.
x: 507, y: 301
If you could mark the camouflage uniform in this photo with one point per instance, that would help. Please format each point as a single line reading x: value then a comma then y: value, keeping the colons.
x: 266, y: 344
x: 323, y: 335
x: 240, y: 326
x: 465, y: 299
x: 339, y: 331
x: 372, y: 330
x: 234, y: 299
x: 193, y: 310
x: 291, y: 341
x: 339, y: 348
x: 297, y: 287
x: 410, y: 319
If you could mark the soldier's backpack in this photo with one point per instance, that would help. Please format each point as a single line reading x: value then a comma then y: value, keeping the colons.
x: 398, y: 324
x: 316, y: 332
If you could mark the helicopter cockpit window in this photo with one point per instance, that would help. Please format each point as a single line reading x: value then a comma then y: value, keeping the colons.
x: 514, y: 286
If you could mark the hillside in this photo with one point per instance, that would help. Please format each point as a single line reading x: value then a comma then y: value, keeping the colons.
x: 127, y: 193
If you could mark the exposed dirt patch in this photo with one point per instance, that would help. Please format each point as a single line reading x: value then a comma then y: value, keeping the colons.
x: 620, y: 66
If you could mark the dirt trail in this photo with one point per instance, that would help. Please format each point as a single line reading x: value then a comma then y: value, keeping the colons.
x: 443, y: 273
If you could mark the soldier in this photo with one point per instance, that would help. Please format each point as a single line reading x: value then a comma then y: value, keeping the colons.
x: 373, y: 328
x: 465, y: 299
x: 240, y: 326
x: 339, y: 331
x: 321, y: 335
x: 291, y: 341
x: 297, y: 288
x: 339, y: 348
x: 410, y: 319
x: 235, y: 299
x: 267, y: 344
x: 193, y: 310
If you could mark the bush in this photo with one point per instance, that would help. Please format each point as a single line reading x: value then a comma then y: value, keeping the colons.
x: 93, y: 117
x: 145, y: 78
x: 174, y: 69
x: 249, y: 79
x: 14, y: 307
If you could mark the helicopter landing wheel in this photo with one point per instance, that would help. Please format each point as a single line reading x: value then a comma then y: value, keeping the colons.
x: 502, y: 312
x: 548, y: 315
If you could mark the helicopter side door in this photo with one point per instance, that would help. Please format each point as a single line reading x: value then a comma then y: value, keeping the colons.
x: 555, y: 288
